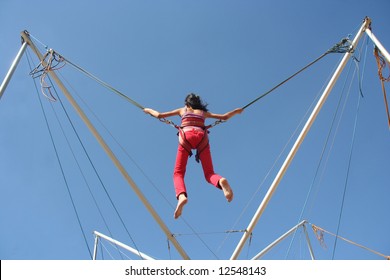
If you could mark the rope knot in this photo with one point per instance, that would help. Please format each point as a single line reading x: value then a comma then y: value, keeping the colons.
x: 51, y: 61
x: 344, y: 46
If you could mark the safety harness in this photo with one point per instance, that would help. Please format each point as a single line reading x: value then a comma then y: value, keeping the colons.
x: 197, y: 121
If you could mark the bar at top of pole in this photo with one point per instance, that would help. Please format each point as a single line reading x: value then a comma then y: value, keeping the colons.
x: 382, y: 49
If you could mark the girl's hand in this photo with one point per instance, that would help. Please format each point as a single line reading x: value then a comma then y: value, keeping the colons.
x: 151, y: 112
x: 238, y: 110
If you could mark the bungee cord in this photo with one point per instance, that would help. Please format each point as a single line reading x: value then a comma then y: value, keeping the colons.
x: 345, y: 45
x: 104, y: 84
x: 342, y: 47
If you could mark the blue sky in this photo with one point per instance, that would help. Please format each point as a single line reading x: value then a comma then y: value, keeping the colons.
x: 229, y: 52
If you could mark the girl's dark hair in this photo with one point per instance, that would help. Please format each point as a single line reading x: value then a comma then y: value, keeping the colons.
x: 195, y: 102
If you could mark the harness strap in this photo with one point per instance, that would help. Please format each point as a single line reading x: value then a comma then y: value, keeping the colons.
x: 192, y: 122
x: 183, y: 141
x: 203, y: 144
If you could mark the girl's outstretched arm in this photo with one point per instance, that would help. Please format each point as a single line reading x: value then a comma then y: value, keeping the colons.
x: 225, y: 116
x: 159, y: 115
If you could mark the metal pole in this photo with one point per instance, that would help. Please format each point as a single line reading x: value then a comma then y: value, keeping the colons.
x: 95, y: 247
x: 308, y: 242
x: 297, y: 144
x: 277, y: 241
x: 107, y: 149
x: 378, y: 44
x: 13, y: 68
x: 124, y: 246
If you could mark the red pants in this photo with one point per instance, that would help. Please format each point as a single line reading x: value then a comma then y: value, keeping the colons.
x: 193, y: 136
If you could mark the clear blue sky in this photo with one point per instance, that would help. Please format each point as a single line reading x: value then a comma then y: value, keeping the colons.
x: 229, y: 52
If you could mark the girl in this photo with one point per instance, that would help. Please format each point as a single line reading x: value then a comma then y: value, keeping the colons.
x: 193, y: 135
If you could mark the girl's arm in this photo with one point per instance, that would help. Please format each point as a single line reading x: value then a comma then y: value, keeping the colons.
x: 159, y: 115
x: 225, y: 116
